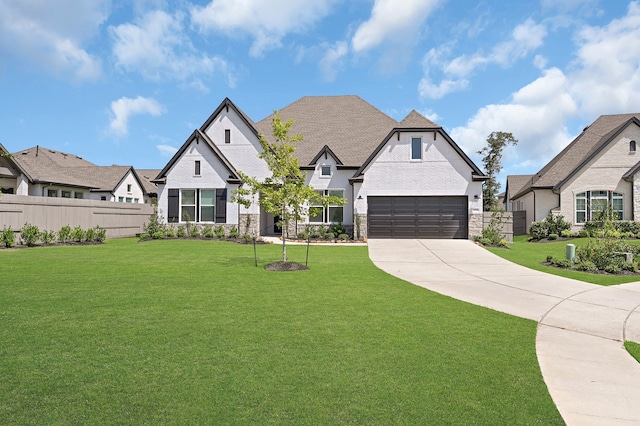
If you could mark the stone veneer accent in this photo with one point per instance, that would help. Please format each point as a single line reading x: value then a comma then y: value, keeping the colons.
x: 254, y: 224
x: 476, y: 223
x: 636, y: 197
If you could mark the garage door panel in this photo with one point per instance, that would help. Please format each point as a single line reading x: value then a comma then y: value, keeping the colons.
x: 418, y: 217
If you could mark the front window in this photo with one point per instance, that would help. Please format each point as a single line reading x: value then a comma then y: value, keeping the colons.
x: 207, y: 205
x: 52, y: 192
x: 188, y: 205
x: 590, y: 203
x: 416, y: 148
x: 326, y: 170
x: 333, y: 213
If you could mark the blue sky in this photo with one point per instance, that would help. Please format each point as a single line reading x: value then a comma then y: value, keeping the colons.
x: 127, y: 82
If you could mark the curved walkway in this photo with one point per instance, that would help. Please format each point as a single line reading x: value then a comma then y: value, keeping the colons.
x: 581, y: 326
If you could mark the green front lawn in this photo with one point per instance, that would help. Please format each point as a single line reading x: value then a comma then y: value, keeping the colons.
x: 532, y: 254
x: 190, y: 332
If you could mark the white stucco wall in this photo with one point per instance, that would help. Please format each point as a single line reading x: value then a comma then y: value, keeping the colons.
x: 604, y: 173
x: 441, y: 171
x: 244, y: 148
x: 135, y: 193
x: 213, y: 175
x: 339, y: 179
x: 22, y: 185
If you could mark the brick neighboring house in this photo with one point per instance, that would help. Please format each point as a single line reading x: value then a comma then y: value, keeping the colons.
x: 403, y: 179
x: 599, y: 168
x: 43, y: 172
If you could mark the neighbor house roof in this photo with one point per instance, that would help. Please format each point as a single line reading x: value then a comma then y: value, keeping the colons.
x: 146, y: 176
x: 46, y: 165
x: 580, y: 151
x: 515, y: 183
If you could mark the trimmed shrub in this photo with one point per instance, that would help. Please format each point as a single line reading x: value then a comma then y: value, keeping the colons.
x: 584, y: 234
x: 7, y: 237
x: 566, y: 234
x: 48, y: 237
x: 303, y: 235
x: 233, y: 232
x: 586, y: 266
x: 170, y: 232
x: 194, y: 231
x: 64, y: 234
x: 219, y: 231
x: 145, y: 236
x: 338, y: 228
x: 77, y: 234
x: 552, y: 236
x: 101, y: 234
x: 181, y: 232
x: 329, y: 235
x: 90, y: 235
x: 207, y: 231
x: 158, y: 235
x: 29, y: 235
x: 343, y: 237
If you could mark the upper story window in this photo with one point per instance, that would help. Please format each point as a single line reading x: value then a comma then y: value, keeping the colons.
x: 78, y: 195
x: 196, y: 170
x: 128, y: 187
x: 325, y: 170
x: 65, y: 194
x: 632, y: 146
x: 52, y: 192
x: 227, y: 135
x: 416, y: 148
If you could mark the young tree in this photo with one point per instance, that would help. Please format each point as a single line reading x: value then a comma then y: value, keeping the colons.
x: 284, y: 193
x: 492, y: 161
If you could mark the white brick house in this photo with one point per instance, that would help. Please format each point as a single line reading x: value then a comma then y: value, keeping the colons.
x: 399, y: 179
x: 598, y: 168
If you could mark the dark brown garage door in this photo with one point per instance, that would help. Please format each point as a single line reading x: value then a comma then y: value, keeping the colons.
x: 417, y: 217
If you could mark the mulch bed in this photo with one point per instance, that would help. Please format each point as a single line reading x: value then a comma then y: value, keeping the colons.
x: 285, y: 266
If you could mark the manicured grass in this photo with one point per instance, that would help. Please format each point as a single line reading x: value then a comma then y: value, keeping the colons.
x: 532, y: 255
x: 634, y: 349
x: 190, y: 332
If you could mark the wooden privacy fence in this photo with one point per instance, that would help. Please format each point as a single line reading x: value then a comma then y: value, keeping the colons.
x: 506, y: 220
x: 51, y: 214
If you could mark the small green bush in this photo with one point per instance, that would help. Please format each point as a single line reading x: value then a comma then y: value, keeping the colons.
x: 303, y: 235
x: 343, y: 237
x: 170, y: 232
x: 484, y: 241
x: 315, y: 234
x: 219, y: 231
x: 48, y: 237
x: 158, y: 235
x: 233, y: 232
x: 586, y: 266
x: 566, y: 233
x: 562, y: 263
x: 7, y: 237
x: 628, y: 235
x: 194, y: 231
x: 181, y: 232
x: 29, y: 235
x: 338, y: 228
x: 101, y: 234
x: 145, y: 236
x: 64, y: 234
x: 90, y: 235
x: 538, y: 230
x: 329, y: 235
x: 552, y: 237
x: 584, y: 233
x: 207, y: 231
x: 77, y: 234
x: 613, y: 269
x: 247, y: 237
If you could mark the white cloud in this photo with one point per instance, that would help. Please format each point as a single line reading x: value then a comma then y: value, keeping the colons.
x: 607, y: 68
x: 524, y: 39
x: 267, y: 22
x: 156, y: 47
x: 332, y: 60
x: 166, y: 150
x: 51, y: 34
x: 392, y: 20
x: 536, y: 116
x: 124, y: 108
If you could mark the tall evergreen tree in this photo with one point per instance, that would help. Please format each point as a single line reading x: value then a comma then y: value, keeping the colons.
x: 492, y: 161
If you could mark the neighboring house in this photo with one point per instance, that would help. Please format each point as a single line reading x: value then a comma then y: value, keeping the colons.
x: 403, y: 179
x: 151, y: 190
x: 597, y: 169
x: 43, y: 172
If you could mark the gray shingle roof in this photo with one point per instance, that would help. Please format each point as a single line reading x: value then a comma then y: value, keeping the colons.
x: 47, y: 165
x: 352, y: 127
x: 417, y: 120
x: 516, y: 183
x: 146, y: 176
x: 592, y: 139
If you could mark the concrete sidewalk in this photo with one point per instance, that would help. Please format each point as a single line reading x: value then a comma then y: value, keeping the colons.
x: 590, y: 376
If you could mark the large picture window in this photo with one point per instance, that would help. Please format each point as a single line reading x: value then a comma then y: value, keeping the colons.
x: 590, y: 203
x: 333, y: 213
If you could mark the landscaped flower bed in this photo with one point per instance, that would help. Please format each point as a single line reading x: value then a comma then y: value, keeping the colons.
x: 31, y: 236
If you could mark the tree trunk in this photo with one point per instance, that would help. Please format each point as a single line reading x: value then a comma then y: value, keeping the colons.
x: 283, y: 228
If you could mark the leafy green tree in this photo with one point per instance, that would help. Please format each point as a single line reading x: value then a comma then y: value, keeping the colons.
x: 492, y: 161
x: 284, y: 193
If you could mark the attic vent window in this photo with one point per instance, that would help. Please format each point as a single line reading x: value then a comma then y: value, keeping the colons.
x: 227, y: 135
x: 326, y: 170
x: 197, y: 168
x: 632, y: 146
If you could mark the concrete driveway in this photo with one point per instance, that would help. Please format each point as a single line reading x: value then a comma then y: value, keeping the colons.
x: 581, y: 327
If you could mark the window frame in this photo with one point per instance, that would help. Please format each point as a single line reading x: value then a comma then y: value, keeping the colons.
x: 65, y: 194
x: 324, y: 167
x: 198, y: 206
x: 595, y: 197
x: 416, y: 150
x: 52, y: 191
x: 227, y: 135
x: 197, y: 168
x: 326, y: 212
